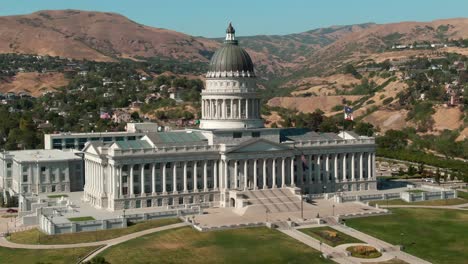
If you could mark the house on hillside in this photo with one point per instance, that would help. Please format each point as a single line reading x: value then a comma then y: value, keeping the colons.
x: 121, y: 116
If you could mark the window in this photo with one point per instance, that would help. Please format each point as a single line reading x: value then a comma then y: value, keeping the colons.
x: 256, y: 134
x: 25, y: 168
x: 237, y: 134
x: 126, y: 204
x: 43, y: 169
x: 43, y: 178
x: 131, y: 138
x: 43, y: 189
x: 119, y: 139
x: 107, y: 139
x: 53, y: 188
x: 148, y: 203
x: 159, y: 202
x: 25, y: 189
x: 8, y: 165
x: 25, y: 178
x: 181, y: 200
x: 138, y: 204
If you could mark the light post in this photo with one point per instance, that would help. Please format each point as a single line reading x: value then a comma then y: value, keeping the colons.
x: 333, y: 206
x: 320, y: 243
x: 266, y: 215
x: 302, y: 206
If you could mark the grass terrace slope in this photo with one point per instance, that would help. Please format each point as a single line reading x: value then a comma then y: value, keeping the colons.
x: 186, y: 245
x: 34, y: 236
x: 56, y: 256
x: 438, y: 236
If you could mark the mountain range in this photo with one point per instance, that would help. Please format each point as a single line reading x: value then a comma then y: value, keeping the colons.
x: 109, y: 36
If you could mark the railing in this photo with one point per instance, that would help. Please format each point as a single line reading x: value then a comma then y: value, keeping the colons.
x: 334, y: 142
x: 169, y: 149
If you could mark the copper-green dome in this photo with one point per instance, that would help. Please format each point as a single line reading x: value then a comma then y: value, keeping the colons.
x: 230, y: 59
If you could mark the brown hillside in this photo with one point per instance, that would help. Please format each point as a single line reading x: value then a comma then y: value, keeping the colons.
x: 33, y: 83
x: 95, y: 36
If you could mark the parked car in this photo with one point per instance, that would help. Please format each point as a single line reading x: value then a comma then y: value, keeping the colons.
x: 11, y: 210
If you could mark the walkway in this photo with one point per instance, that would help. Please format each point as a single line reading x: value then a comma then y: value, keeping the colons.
x: 339, y: 253
x: 106, y: 243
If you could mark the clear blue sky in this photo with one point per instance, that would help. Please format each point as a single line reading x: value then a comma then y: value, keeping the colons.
x: 252, y: 17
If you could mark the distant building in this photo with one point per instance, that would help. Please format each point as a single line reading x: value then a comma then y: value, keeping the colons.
x: 41, y: 171
x: 121, y: 116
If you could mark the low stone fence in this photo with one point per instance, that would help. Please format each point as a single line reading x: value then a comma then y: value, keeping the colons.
x: 363, y: 214
x: 428, y: 196
x: 225, y: 227
x: 47, y: 226
x: 405, y: 195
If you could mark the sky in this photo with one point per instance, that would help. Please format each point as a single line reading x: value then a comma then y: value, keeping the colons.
x: 209, y: 18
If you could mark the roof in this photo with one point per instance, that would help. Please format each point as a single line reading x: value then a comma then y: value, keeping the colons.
x: 133, y: 144
x: 231, y: 58
x: 304, y: 134
x: 177, y: 138
x: 44, y: 155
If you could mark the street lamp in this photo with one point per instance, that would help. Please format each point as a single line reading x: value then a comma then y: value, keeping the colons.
x: 333, y: 206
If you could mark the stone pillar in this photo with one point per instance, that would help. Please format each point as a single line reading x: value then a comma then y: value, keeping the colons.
x: 205, y: 176
x: 273, y: 170
x: 120, y: 182
x: 336, y: 168
x: 292, y: 172
x: 153, y: 179
x: 231, y: 114
x: 327, y: 168
x: 264, y: 174
x: 353, y: 176
x: 373, y: 166
x: 240, y: 108
x: 236, y: 174
x: 164, y: 178
x: 225, y: 176
x: 283, y: 173
x: 195, y: 178
x: 361, y: 173
x: 142, y: 179
x: 369, y: 160
x: 215, y: 175
x: 130, y: 184
x: 174, y: 177
x: 185, y: 176
x: 247, y: 108
x: 224, y: 109
x: 344, y: 167
x: 309, y: 170
x: 255, y: 174
x: 246, y: 163
x: 318, y: 168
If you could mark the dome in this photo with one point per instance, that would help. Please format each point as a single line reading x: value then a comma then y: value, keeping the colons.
x: 230, y: 59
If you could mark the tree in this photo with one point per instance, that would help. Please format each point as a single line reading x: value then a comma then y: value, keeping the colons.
x: 364, y: 129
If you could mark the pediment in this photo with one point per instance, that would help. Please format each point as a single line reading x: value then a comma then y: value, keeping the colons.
x: 91, y: 149
x: 260, y: 145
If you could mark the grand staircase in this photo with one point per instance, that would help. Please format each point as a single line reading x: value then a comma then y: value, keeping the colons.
x: 271, y: 200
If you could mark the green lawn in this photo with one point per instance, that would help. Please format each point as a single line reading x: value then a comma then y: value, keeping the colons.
x: 186, y: 245
x: 34, y: 236
x: 81, y: 219
x: 436, y: 235
x: 463, y: 195
x: 455, y: 201
x: 329, y: 236
x: 55, y: 256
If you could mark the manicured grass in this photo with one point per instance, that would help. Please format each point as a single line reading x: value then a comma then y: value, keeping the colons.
x: 329, y: 236
x: 463, y: 195
x: 34, y: 236
x: 9, y: 215
x: 57, y: 195
x: 455, y: 201
x: 366, y: 252
x: 186, y: 245
x: 56, y: 256
x: 436, y: 235
x: 81, y: 219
